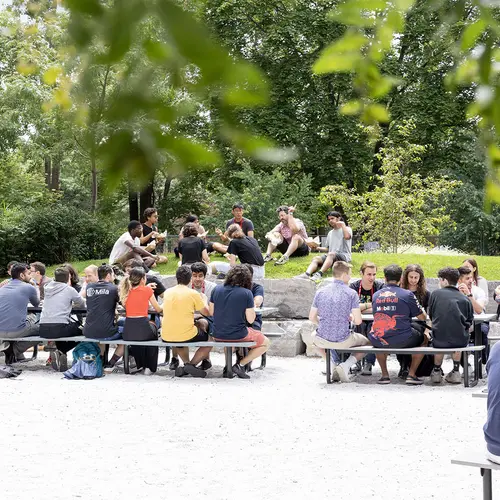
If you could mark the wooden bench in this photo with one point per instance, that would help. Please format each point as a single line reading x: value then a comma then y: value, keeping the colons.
x: 415, y: 350
x: 228, y: 347
x: 480, y: 461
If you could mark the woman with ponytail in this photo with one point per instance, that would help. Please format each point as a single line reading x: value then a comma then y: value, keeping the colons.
x: 136, y: 297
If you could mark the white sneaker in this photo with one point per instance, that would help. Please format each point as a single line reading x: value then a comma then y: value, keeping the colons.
x: 148, y: 372
x: 436, y: 377
x: 343, y: 372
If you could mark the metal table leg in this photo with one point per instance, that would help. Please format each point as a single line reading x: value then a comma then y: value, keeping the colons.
x: 228, y: 371
x: 328, y: 367
x: 487, y: 487
x: 263, y: 361
x: 126, y: 366
x: 478, y: 340
x: 465, y: 355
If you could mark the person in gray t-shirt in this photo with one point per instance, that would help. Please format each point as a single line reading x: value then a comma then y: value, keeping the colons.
x: 338, y: 241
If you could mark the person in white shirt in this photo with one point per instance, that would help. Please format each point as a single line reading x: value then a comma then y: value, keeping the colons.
x: 128, y: 246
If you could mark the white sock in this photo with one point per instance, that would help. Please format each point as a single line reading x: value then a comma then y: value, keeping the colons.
x: 351, y: 360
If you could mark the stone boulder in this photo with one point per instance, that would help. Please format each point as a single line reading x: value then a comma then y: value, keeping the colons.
x: 290, y: 343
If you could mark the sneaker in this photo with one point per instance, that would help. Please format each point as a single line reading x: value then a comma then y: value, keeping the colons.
x: 221, y: 276
x: 206, y: 364
x: 343, y: 372
x: 414, y: 380
x: 49, y: 361
x: 194, y: 372
x: 148, y: 372
x: 240, y: 371
x: 384, y: 380
x: 111, y: 369
x: 55, y: 358
x: 179, y: 372
x: 303, y: 276
x: 268, y: 258
x: 174, y: 363
x: 436, y: 377
x: 9, y: 372
x: 316, y: 277
x: 355, y: 369
x: 283, y: 260
x: 453, y: 377
x: 367, y: 370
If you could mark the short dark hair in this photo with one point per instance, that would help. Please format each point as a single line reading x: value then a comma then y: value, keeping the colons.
x: 393, y: 272
x: 450, y: 274
x: 17, y: 269
x: 239, y: 205
x: 239, y: 276
x: 191, y: 218
x: 61, y: 274
x: 235, y: 231
x: 39, y: 267
x: 149, y: 212
x: 249, y: 267
x: 282, y: 208
x: 11, y: 264
x: 333, y: 213
x: 133, y: 263
x: 133, y: 224
x: 183, y: 275
x: 464, y: 271
x: 75, y: 279
x: 199, y: 267
x: 189, y: 229
x: 103, y: 270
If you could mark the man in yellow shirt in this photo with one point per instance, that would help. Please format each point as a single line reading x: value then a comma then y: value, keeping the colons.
x: 179, y: 306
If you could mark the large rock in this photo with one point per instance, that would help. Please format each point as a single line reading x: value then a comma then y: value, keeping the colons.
x: 290, y: 343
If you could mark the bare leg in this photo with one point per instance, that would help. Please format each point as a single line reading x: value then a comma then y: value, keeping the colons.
x: 294, y: 244
x: 219, y: 247
x: 149, y: 262
x: 270, y: 249
x: 201, y: 354
x: 183, y: 353
x: 382, y: 361
x: 314, y: 265
x: 416, y: 359
x: 330, y: 259
x: 438, y: 359
x: 256, y: 352
x: 456, y: 356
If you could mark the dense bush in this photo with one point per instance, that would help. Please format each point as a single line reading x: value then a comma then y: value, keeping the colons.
x: 53, y: 234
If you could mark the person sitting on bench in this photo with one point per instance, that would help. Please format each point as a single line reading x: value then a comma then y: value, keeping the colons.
x: 10, y: 265
x: 14, y: 323
x: 39, y: 278
x: 90, y: 273
x: 452, y: 315
x: 331, y: 310
x: 179, y: 306
x: 55, y: 320
x: 393, y: 309
x: 128, y: 246
x: 492, y: 426
x: 102, y: 299
x: 258, y: 299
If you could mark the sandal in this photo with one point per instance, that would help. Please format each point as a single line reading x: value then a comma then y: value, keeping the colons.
x: 384, y: 380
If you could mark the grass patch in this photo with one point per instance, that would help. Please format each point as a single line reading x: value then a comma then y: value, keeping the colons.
x: 489, y: 267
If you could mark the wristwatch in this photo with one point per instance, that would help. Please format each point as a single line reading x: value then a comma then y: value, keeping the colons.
x: 470, y: 295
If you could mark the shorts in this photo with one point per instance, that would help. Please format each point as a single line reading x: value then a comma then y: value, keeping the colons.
x: 416, y: 339
x: 301, y: 251
x: 253, y: 336
x: 354, y: 340
x: 115, y: 336
x: 456, y: 342
x: 140, y: 329
x: 200, y: 336
x: 339, y: 256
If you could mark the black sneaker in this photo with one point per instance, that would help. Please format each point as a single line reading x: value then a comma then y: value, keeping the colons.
x: 206, y: 364
x: 240, y: 371
x: 195, y: 372
x: 179, y: 372
x: 174, y: 363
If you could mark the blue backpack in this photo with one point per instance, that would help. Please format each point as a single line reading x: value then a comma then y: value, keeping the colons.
x: 87, y: 362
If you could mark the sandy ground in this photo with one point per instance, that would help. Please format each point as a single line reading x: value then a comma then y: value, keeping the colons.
x: 283, y: 434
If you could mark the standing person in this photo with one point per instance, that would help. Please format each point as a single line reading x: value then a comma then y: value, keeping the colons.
x: 232, y: 307
x: 492, y: 426
x: 246, y: 249
x: 394, y: 309
x: 128, y: 246
x: 331, y: 310
x: 136, y: 298
x: 9, y: 267
x: 191, y: 247
x: 151, y: 238
x: 179, y: 325
x: 38, y: 272
x: 293, y: 234
x: 338, y: 247
x: 15, y: 297
x: 366, y: 288
x: 452, y: 316
x: 55, y: 320
x: 246, y: 225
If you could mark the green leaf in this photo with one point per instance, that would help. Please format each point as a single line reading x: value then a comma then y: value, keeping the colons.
x: 157, y: 51
x: 357, y: 12
x: 91, y: 7
x: 247, y: 87
x: 50, y: 76
x: 377, y: 112
x: 471, y: 33
x: 485, y: 62
x: 342, y: 55
x: 351, y: 107
x: 190, y: 153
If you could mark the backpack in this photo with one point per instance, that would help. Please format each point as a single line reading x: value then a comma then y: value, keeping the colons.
x: 87, y: 362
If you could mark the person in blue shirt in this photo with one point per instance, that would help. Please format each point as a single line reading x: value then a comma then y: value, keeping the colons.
x: 492, y: 426
x: 393, y: 311
x: 14, y: 322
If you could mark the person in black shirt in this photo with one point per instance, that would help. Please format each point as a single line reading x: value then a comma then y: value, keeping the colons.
x: 246, y: 225
x: 452, y: 315
x: 151, y: 238
x: 191, y: 247
x: 246, y: 249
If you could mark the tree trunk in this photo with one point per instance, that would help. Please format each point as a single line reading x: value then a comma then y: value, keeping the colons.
x: 93, y: 202
x: 48, y: 171
x: 54, y: 184
x: 166, y: 186
x: 133, y: 204
x: 146, y: 197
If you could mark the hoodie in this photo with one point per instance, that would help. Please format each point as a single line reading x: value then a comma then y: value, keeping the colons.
x: 58, y: 302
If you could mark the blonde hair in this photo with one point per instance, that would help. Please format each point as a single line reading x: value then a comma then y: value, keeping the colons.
x: 340, y: 267
x: 365, y: 265
x: 91, y: 269
x: 131, y: 281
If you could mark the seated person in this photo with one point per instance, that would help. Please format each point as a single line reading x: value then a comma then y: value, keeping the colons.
x: 151, y: 238
x: 331, y: 311
x: 232, y: 307
x: 102, y: 299
x: 258, y: 299
x: 179, y: 307
x: 365, y: 288
x: 90, y: 273
x: 475, y: 294
x: 128, y: 246
x: 393, y: 309
x: 293, y: 234
x: 246, y: 249
x: 9, y: 267
x: 452, y: 316
x: 38, y: 271
x: 492, y: 426
x: 192, y: 248
x: 211, y: 246
x: 151, y: 280
x: 55, y: 320
x: 246, y: 225
x: 15, y: 297
x: 136, y: 297
x: 338, y: 246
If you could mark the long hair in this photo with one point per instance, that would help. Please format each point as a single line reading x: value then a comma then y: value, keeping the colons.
x: 421, y: 290
x: 131, y: 281
x: 473, y: 263
x: 239, y: 276
x: 73, y: 273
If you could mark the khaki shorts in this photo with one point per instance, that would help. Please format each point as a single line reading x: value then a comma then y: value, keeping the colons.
x: 354, y: 340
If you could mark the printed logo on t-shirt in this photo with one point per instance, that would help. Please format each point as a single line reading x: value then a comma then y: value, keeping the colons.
x: 100, y: 291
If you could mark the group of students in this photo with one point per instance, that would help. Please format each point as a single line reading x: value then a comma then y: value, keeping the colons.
x: 401, y: 308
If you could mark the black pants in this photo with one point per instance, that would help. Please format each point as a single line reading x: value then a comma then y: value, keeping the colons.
x: 57, y: 330
x: 141, y: 329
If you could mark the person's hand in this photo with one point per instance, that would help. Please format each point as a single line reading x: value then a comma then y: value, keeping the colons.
x: 464, y: 288
x: 154, y: 234
x: 152, y: 285
x: 291, y: 210
x: 218, y: 232
x: 340, y: 223
x: 427, y: 334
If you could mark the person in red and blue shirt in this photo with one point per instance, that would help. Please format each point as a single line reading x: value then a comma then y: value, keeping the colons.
x: 393, y: 310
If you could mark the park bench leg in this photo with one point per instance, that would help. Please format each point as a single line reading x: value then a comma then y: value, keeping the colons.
x: 465, y: 356
x: 263, y: 361
x: 487, y: 487
x: 167, y: 355
x: 228, y: 372
x: 478, y: 340
x: 328, y: 367
x: 126, y: 366
x: 35, y: 352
